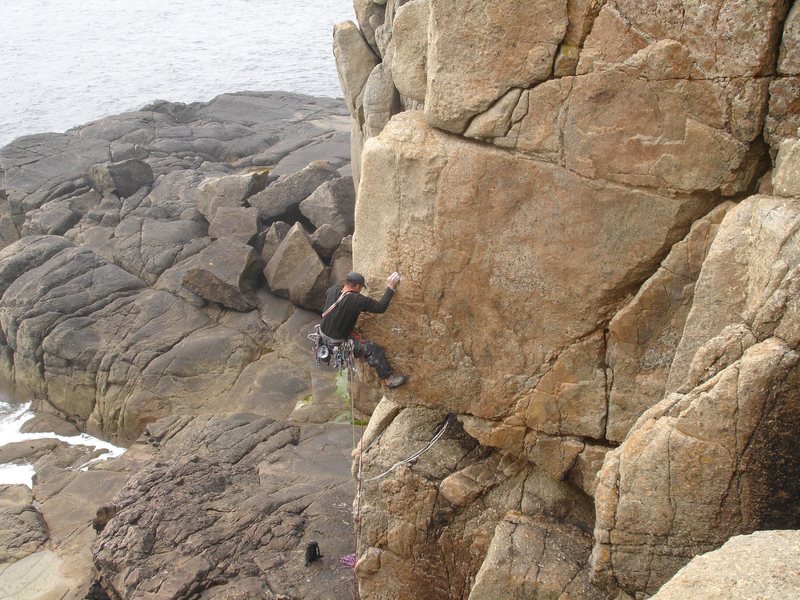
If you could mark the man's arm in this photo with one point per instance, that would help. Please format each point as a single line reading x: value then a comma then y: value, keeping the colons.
x: 367, y: 304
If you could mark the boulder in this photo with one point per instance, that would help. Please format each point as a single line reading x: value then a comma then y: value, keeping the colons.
x: 740, y: 39
x: 22, y: 529
x: 566, y: 258
x: 332, y: 203
x: 325, y: 241
x: 354, y: 62
x: 285, y: 194
x: 55, y: 219
x: 370, y: 16
x: 229, y: 191
x: 759, y: 565
x: 121, y: 178
x: 786, y: 176
x: 789, y: 57
x: 273, y: 238
x: 225, y: 272
x: 783, y: 119
x: 381, y: 100
x: 296, y: 272
x: 240, y: 224
x: 453, y: 493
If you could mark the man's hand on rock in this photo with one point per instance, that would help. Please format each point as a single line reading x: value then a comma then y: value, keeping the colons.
x: 393, y: 280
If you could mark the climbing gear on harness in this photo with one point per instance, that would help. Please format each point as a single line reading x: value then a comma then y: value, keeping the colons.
x: 328, y: 350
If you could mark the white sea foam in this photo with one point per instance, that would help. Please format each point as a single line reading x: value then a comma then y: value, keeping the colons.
x: 12, y: 417
x: 65, y: 63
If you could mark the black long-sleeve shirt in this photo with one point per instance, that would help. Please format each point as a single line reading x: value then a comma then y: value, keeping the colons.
x: 339, y: 323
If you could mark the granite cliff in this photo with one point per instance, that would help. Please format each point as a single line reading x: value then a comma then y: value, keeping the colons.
x: 594, y: 204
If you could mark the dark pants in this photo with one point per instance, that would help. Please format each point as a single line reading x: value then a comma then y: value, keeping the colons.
x: 376, y: 357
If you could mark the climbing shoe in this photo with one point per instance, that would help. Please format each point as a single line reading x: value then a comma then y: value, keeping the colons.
x: 394, y: 381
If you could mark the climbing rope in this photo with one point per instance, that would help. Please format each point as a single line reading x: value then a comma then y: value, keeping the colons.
x: 414, y: 456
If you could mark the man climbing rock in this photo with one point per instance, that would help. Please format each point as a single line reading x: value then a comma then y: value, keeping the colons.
x: 343, y: 304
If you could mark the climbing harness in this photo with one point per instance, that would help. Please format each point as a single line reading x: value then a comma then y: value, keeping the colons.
x: 337, y: 353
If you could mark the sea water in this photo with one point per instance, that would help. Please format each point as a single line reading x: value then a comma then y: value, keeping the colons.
x: 13, y: 416
x: 67, y: 62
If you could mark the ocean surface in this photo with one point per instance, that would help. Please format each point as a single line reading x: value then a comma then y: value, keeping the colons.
x: 67, y: 62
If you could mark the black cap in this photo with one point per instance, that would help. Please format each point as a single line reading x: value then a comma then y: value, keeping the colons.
x: 355, y: 278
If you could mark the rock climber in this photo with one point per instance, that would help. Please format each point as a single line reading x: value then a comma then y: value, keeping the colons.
x: 343, y: 304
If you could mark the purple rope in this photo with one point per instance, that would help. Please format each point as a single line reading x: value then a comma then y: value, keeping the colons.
x: 348, y: 560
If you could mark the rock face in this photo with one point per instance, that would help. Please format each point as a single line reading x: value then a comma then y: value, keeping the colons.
x: 589, y: 284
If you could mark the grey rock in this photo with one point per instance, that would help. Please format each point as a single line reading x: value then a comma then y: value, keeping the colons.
x: 273, y: 238
x: 226, y: 271
x: 240, y: 224
x: 289, y: 191
x: 22, y: 530
x: 296, y: 272
x: 342, y: 260
x: 325, y: 241
x: 230, y: 191
x: 27, y: 254
x: 228, y: 502
x: 121, y: 178
x: 332, y: 203
x: 147, y: 247
x: 55, y: 219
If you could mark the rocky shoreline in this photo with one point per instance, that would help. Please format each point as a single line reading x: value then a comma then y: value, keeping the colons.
x: 138, y: 254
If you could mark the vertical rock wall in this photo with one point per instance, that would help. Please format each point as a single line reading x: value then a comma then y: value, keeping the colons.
x: 551, y: 184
